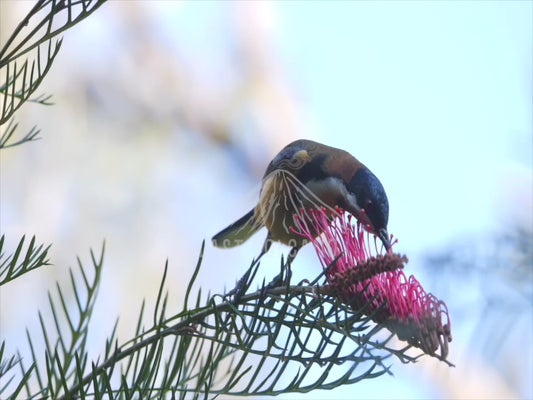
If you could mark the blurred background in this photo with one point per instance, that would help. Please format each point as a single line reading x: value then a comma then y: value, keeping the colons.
x: 167, y: 112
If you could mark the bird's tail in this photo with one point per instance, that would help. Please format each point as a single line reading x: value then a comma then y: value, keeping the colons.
x: 238, y: 232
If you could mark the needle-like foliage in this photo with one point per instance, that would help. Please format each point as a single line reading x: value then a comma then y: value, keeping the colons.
x: 27, y: 57
x: 271, y: 339
x: 21, y: 261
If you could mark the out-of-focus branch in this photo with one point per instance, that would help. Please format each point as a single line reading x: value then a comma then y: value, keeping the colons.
x: 34, y: 38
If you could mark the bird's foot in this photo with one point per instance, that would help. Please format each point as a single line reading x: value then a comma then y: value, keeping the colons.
x: 240, y: 287
x: 284, y: 277
x: 242, y: 284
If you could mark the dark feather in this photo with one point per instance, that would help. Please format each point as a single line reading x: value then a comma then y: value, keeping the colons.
x: 238, y: 232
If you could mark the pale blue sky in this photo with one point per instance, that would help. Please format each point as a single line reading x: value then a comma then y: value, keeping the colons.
x: 434, y: 97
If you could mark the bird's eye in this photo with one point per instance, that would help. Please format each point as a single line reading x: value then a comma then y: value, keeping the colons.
x: 299, y: 159
x: 296, y: 162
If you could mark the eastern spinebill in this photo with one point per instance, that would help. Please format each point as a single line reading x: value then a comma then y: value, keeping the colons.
x: 307, y: 174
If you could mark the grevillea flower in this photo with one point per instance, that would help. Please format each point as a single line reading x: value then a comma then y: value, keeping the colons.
x: 375, y: 283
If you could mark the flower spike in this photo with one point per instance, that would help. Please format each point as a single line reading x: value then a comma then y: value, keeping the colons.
x: 366, y: 279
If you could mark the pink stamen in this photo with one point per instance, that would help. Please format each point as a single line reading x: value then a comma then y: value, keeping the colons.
x: 403, y: 304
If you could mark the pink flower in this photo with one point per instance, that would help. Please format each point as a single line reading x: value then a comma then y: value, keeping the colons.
x: 375, y: 283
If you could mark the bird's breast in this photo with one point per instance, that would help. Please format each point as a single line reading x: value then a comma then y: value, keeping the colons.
x: 332, y: 192
x: 282, y: 197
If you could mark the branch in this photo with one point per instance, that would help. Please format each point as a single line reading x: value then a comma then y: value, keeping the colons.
x: 262, y: 335
x: 11, y: 51
x: 8, y: 134
x: 277, y: 338
x: 21, y: 79
x: 14, y: 266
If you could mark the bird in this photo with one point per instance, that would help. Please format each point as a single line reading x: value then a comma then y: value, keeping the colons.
x: 307, y: 174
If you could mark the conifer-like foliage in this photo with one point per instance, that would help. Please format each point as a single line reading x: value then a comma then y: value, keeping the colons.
x: 28, y: 54
x: 263, y: 339
x: 273, y: 339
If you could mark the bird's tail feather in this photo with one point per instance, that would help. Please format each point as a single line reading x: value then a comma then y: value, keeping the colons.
x: 238, y: 232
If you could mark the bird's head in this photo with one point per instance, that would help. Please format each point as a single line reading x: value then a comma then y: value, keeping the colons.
x: 291, y: 158
x: 370, y: 197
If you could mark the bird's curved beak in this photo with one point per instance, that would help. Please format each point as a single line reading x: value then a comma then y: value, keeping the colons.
x: 384, y: 237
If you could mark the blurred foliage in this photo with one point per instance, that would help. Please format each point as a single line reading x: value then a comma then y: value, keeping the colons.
x: 493, y: 279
